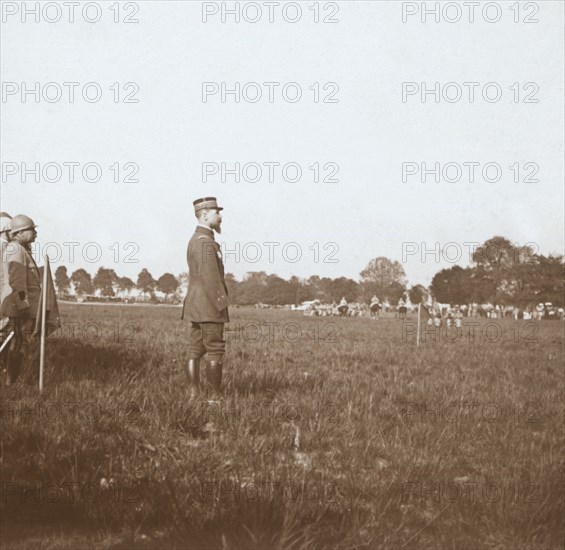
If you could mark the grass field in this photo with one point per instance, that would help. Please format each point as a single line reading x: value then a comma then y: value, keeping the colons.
x: 335, y: 433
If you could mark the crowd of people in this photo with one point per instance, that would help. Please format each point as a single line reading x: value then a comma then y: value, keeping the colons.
x: 441, y: 313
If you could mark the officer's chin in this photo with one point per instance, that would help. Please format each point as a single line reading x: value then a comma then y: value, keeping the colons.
x: 218, y: 228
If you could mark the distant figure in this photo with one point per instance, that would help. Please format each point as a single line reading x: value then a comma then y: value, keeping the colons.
x: 401, y: 309
x: 343, y: 307
x: 449, y: 317
x: 550, y: 312
x: 375, y: 307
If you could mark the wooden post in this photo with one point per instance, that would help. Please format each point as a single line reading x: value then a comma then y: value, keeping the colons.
x: 43, y: 322
x: 418, y: 325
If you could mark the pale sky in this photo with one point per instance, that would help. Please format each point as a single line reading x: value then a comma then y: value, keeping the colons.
x: 369, y: 133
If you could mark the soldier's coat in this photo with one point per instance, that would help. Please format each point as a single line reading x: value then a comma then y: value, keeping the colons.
x: 207, y: 298
x: 19, y: 273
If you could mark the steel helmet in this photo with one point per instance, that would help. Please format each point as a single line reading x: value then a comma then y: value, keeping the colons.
x: 21, y: 223
x: 5, y: 222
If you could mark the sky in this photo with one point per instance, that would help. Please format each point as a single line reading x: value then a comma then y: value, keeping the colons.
x: 370, y: 143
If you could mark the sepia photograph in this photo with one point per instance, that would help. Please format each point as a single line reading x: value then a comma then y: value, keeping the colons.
x: 282, y: 275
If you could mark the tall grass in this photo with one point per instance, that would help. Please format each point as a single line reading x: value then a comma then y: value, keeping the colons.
x: 334, y: 433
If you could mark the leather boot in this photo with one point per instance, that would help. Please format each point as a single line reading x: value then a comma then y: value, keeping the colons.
x: 214, y: 377
x: 193, y: 372
x: 14, y: 364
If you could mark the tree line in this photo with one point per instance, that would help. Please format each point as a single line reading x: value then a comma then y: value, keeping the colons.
x: 501, y: 273
x: 505, y: 274
x: 108, y: 283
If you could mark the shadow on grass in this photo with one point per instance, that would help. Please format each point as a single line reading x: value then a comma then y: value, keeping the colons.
x: 82, y: 361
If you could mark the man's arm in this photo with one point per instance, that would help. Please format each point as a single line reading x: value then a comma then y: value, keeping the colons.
x: 209, y: 268
x: 17, y: 278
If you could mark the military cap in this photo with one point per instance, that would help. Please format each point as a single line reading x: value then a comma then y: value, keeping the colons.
x: 206, y: 202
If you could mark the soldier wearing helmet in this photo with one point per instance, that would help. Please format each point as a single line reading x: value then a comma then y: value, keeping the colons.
x: 20, y: 289
x: 206, y: 304
x: 5, y: 221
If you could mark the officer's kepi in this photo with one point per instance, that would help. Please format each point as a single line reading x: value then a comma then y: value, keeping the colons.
x: 206, y: 202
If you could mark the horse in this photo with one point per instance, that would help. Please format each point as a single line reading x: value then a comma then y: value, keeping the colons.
x: 375, y: 310
x: 402, y: 312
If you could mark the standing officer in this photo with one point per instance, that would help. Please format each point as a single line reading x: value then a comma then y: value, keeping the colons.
x: 21, y: 289
x: 206, y: 304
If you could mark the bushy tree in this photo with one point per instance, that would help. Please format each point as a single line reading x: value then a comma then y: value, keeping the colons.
x: 383, y: 277
x: 167, y: 283
x: 418, y: 294
x: 453, y: 285
x: 82, y: 282
x: 145, y: 282
x: 62, y: 281
x: 233, y: 288
x: 252, y: 288
x: 125, y: 284
x: 104, y: 281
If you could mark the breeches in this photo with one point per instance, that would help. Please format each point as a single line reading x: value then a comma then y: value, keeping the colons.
x: 206, y: 339
x: 23, y: 333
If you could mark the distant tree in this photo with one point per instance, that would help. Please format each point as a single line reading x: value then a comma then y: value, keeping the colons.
x: 326, y: 292
x: 62, y: 281
x: 313, y: 288
x: 145, y: 282
x: 252, y: 290
x: 233, y: 288
x: 304, y: 293
x: 541, y: 279
x: 82, y: 282
x: 183, y: 278
x: 104, y: 281
x: 496, y: 255
x: 344, y: 287
x: 418, y: 294
x: 384, y: 277
x: 277, y: 291
x: 453, y: 285
x: 125, y: 284
x: 167, y: 283
x: 503, y: 270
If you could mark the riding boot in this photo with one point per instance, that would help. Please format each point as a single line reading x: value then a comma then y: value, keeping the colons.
x: 14, y: 366
x: 193, y: 372
x: 214, y: 377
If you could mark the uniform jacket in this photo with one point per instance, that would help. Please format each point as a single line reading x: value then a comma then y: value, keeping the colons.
x: 3, y: 245
x: 207, y: 298
x: 20, y: 282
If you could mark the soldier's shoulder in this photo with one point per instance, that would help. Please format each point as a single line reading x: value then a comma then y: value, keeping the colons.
x: 14, y: 251
x: 200, y: 238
